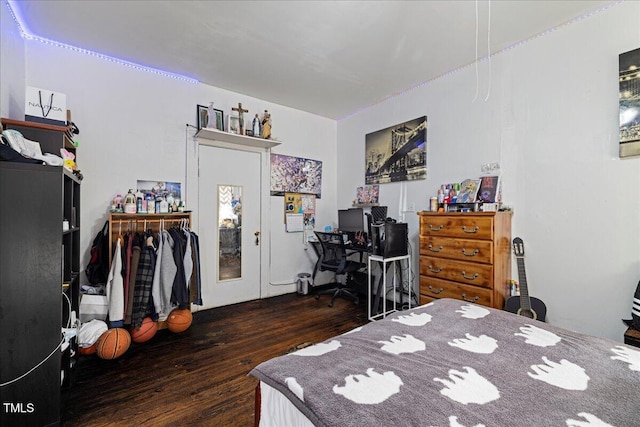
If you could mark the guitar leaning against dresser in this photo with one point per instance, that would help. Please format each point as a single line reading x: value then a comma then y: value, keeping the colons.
x: 524, y: 305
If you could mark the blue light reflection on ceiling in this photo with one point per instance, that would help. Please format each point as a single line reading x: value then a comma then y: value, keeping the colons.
x: 26, y: 34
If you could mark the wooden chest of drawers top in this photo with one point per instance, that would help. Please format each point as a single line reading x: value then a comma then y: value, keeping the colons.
x: 476, y: 225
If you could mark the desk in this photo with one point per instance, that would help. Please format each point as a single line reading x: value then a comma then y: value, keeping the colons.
x: 382, y: 283
x: 317, y: 249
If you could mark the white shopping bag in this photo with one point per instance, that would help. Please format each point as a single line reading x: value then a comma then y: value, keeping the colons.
x: 45, y: 106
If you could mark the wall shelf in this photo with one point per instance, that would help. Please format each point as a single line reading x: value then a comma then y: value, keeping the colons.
x: 231, y: 138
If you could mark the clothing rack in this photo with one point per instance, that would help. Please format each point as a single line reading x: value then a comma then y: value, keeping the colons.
x: 120, y: 223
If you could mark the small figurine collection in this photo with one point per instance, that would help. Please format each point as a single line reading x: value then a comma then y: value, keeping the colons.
x: 259, y: 127
x: 141, y: 203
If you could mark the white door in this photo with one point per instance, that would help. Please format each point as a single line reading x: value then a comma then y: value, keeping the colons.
x: 229, y: 275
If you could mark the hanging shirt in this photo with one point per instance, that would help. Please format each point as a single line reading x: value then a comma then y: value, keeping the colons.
x: 115, y: 289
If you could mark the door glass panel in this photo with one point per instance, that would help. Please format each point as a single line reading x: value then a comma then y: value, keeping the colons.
x: 229, y: 232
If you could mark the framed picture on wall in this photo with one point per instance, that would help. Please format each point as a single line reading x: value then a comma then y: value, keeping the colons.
x: 397, y: 153
x: 203, y: 117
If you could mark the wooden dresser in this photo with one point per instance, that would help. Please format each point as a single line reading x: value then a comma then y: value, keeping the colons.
x: 465, y: 256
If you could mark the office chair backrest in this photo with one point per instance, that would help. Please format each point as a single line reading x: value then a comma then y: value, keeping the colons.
x: 334, y: 253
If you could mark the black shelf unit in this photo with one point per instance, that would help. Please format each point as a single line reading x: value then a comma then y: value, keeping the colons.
x: 39, y: 281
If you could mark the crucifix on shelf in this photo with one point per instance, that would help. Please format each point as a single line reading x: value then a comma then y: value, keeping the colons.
x: 241, y: 112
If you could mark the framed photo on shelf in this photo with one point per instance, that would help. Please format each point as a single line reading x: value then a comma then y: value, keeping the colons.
x: 468, y: 190
x: 234, y: 124
x: 203, y: 116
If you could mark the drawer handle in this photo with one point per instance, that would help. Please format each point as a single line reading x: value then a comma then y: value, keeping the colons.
x: 473, y: 230
x: 474, y: 299
x: 474, y: 253
x: 438, y: 249
x: 432, y: 228
x: 464, y: 274
x: 434, y: 270
x: 434, y: 291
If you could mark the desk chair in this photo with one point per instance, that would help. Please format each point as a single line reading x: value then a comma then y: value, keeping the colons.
x: 334, y: 257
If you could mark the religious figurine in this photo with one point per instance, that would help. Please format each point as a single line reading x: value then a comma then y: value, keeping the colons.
x: 257, y: 126
x: 241, y: 112
x: 211, y: 117
x: 266, y: 125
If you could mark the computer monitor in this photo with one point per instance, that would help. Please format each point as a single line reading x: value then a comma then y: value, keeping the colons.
x: 351, y: 220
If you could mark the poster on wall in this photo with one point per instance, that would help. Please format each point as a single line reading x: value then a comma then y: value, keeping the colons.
x: 161, y: 189
x: 295, y: 175
x: 397, y: 153
x: 629, y: 78
x: 299, y: 212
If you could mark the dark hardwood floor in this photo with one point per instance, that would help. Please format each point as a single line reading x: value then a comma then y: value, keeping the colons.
x: 199, y: 377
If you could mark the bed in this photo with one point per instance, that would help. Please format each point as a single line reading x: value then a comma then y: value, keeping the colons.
x: 451, y: 363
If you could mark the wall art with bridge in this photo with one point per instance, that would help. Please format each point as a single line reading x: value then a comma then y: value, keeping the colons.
x: 397, y: 153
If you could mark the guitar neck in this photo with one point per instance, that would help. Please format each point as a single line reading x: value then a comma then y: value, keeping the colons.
x: 525, y: 300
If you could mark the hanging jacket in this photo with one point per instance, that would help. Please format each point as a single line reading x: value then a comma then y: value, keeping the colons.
x: 142, y: 290
x: 195, y: 286
x: 179, y: 291
x: 168, y: 272
x: 156, y: 289
x: 133, y: 271
x: 115, y: 289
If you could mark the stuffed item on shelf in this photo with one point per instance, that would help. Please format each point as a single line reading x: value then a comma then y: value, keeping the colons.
x: 69, y: 159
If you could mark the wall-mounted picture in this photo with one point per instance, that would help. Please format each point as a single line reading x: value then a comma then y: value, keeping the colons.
x: 295, y: 175
x: 368, y: 194
x: 203, y: 118
x: 161, y: 188
x: 397, y: 153
x: 629, y: 77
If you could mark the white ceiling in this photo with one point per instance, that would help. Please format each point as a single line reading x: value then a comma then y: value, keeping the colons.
x: 330, y: 58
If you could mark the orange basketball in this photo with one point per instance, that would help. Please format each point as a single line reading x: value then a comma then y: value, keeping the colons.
x: 179, y: 320
x: 113, y: 343
x: 146, y: 331
x: 87, y: 351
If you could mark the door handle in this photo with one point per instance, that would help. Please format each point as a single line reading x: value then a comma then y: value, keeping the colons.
x: 257, y: 234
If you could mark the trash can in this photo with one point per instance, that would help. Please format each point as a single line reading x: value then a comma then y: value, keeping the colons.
x: 303, y: 281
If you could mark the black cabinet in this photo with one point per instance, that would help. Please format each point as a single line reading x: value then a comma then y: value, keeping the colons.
x: 39, y: 284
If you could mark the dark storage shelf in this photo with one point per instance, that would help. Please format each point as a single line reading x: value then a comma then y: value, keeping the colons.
x: 40, y: 265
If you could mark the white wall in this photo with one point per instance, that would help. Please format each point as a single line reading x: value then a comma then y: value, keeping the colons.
x: 551, y: 121
x: 133, y: 126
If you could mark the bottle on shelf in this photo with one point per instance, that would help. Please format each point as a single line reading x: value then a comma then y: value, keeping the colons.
x: 164, y: 206
x: 151, y: 204
x: 130, y: 202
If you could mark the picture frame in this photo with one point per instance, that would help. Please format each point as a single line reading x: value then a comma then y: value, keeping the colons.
x: 397, y: 153
x: 203, y: 115
x: 234, y: 124
x: 295, y: 175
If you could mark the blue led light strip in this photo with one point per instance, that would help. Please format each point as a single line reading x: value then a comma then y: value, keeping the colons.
x: 28, y: 36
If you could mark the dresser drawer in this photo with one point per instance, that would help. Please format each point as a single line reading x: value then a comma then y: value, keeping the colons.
x: 462, y: 249
x: 465, y: 272
x: 464, y: 226
x: 436, y: 288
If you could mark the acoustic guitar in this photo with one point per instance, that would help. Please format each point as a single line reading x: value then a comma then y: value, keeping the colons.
x: 524, y: 305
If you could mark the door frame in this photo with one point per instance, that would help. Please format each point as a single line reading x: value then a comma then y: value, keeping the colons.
x: 265, y: 205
